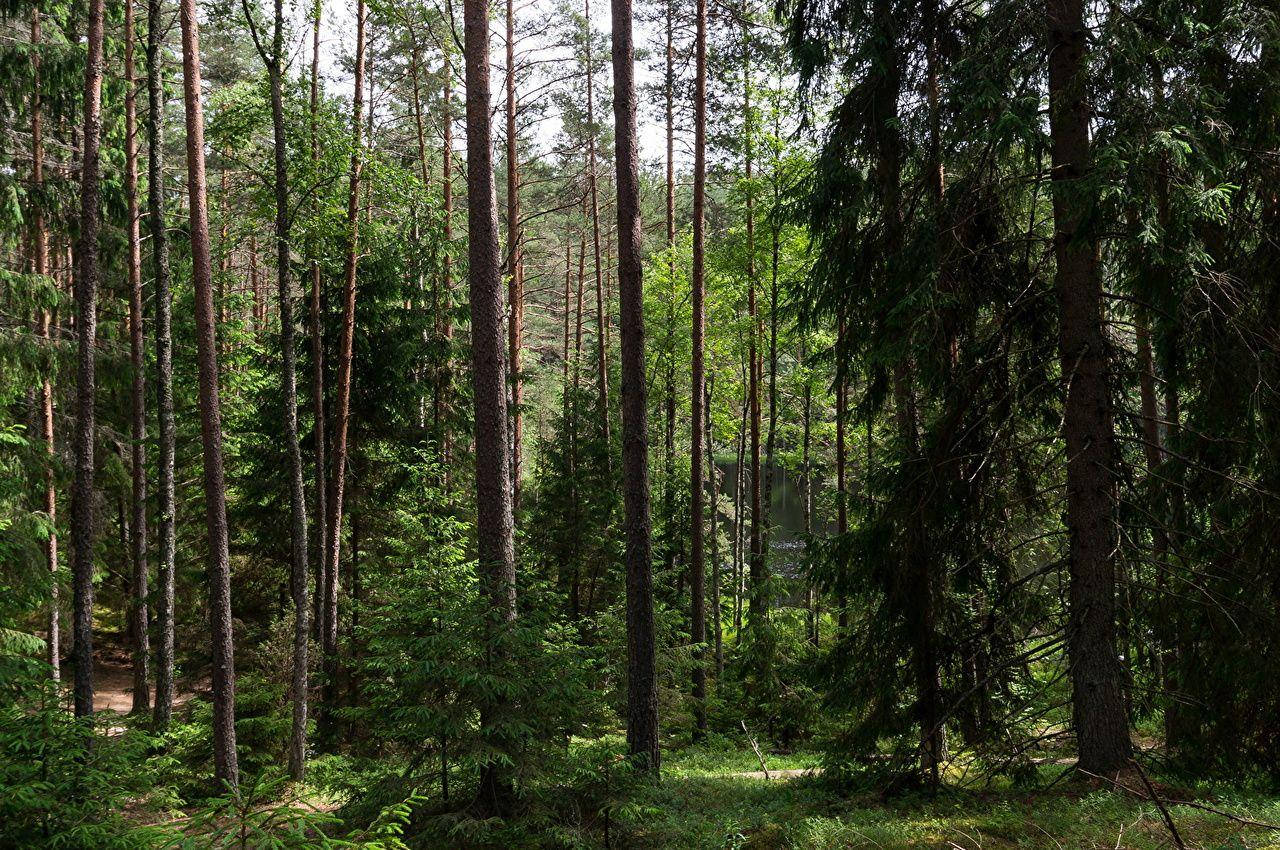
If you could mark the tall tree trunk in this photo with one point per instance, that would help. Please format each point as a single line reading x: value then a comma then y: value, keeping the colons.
x: 515, y: 269
x: 289, y: 389
x: 138, y: 632
x: 806, y: 478
x: 494, y: 520
x: 602, y: 350
x: 156, y: 26
x: 697, y: 569
x: 1097, y: 679
x: 669, y: 488
x: 224, y: 729
x: 642, y: 685
x: 445, y: 379
x: 739, y: 508
x: 346, y: 345
x: 84, y: 492
x: 320, y: 607
x: 758, y: 601
x: 842, y: 480
x: 40, y: 265
x: 713, y: 475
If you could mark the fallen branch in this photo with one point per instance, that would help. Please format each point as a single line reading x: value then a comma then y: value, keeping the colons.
x: 754, y: 746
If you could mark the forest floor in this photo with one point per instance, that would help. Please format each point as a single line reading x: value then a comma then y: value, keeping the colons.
x: 711, y: 799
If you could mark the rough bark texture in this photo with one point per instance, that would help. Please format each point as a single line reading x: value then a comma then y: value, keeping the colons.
x: 138, y: 632
x: 84, y: 492
x: 697, y: 567
x: 494, y: 524
x: 642, y: 688
x: 346, y: 347
x: 225, y: 766
x: 289, y: 390
x: 1097, y: 679
x: 156, y: 24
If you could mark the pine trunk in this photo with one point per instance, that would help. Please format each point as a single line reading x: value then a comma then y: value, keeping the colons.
x: 226, y: 768
x: 84, y: 492
x: 642, y: 685
x: 494, y: 519
x: 166, y: 533
x: 40, y: 266
x: 697, y: 567
x: 346, y: 347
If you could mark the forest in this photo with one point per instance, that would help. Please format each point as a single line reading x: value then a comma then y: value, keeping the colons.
x: 734, y: 424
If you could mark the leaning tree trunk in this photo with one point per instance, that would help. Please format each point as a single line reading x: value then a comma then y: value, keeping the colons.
x: 642, y: 685
x: 225, y: 766
x: 138, y: 395
x: 697, y: 567
x: 163, y: 709
x: 346, y: 346
x: 1098, y: 711
x: 84, y: 491
x: 494, y: 522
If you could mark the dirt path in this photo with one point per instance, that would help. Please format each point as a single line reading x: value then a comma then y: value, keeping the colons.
x: 113, y: 686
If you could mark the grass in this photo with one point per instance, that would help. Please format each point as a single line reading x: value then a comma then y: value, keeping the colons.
x: 700, y: 804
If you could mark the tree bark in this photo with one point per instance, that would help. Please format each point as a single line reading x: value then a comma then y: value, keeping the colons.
x: 1097, y: 679
x: 289, y: 389
x: 713, y: 475
x: 758, y: 601
x: 226, y: 768
x: 602, y: 364
x: 642, y: 686
x: 494, y: 520
x: 346, y: 346
x: 40, y: 265
x: 138, y: 390
x: 697, y: 568
x: 163, y: 709
x: 320, y: 607
x: 84, y: 492
x: 515, y: 269
x: 445, y: 381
